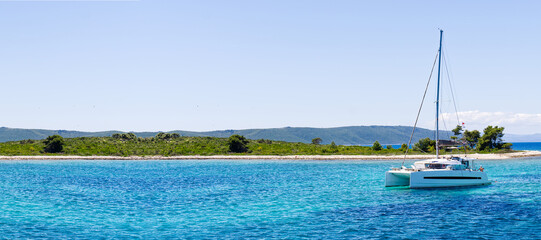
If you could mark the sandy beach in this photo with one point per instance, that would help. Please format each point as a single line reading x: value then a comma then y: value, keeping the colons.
x: 491, y: 156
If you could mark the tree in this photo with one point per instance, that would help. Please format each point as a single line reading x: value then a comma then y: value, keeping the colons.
x: 316, y: 141
x: 389, y: 147
x: 457, y: 131
x: 124, y: 136
x: 237, y: 143
x: 507, y: 146
x: 27, y: 141
x: 54, y: 144
x: 377, y: 146
x: 491, y: 139
x: 425, y: 145
x: 472, y: 138
x: 404, y: 147
x: 167, y: 136
x: 161, y: 135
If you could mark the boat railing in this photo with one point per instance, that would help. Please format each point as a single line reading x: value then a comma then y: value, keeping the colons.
x: 404, y: 169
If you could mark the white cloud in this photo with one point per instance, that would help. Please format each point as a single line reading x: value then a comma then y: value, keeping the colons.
x: 518, y: 123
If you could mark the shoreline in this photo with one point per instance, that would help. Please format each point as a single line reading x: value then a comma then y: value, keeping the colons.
x: 485, y: 156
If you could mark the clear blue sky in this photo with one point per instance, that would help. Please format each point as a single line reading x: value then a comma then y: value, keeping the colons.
x: 208, y: 65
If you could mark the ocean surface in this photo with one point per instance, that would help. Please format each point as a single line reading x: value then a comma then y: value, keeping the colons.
x: 536, y: 146
x: 259, y: 200
x: 533, y: 146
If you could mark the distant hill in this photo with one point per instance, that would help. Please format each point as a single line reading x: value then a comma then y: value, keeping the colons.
x: 354, y: 135
x: 16, y: 134
x: 522, y: 138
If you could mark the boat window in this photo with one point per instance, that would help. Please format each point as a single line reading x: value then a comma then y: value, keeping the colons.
x: 459, y: 167
x: 435, y: 166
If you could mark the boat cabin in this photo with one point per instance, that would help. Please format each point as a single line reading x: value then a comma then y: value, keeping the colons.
x: 452, y: 163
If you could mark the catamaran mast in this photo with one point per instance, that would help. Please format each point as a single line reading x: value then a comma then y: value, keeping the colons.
x: 438, y: 100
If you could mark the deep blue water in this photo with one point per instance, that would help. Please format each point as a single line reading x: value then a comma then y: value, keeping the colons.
x: 259, y: 199
x: 527, y: 146
x: 536, y: 146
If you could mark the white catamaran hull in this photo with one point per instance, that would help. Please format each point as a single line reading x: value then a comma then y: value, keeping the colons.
x: 435, y: 178
x: 450, y: 171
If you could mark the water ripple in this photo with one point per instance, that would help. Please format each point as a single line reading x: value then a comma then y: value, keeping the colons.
x: 258, y: 199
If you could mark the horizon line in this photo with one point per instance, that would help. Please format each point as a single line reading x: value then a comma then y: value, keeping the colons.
x: 240, y: 129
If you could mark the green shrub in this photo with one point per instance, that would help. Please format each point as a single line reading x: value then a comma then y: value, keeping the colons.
x: 377, y: 146
x: 237, y: 144
x: 404, y: 147
x: 316, y: 141
x: 124, y: 136
x: 425, y: 145
x: 54, y: 144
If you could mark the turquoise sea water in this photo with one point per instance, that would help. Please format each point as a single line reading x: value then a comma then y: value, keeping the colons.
x: 259, y: 199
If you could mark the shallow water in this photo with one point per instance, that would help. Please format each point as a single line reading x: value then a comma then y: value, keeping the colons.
x: 259, y: 199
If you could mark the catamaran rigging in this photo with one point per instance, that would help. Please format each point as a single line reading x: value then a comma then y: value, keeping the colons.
x: 444, y: 172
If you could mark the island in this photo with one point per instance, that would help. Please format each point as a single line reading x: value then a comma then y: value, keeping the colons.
x: 165, y: 146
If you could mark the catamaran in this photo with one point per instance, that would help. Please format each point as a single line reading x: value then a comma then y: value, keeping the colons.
x: 450, y: 171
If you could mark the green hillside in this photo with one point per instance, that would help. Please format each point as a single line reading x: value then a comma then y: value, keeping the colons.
x: 153, y: 146
x: 354, y: 135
